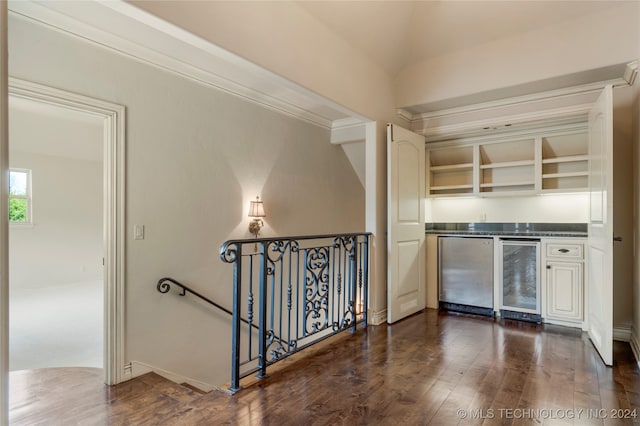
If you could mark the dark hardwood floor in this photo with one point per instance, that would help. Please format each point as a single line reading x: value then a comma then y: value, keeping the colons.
x: 433, y: 368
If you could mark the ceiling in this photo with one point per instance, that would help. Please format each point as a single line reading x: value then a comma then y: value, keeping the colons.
x: 392, y: 34
x: 396, y: 34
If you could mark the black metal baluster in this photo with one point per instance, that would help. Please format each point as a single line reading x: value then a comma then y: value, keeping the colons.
x: 365, y: 302
x: 262, y: 314
x: 289, y: 304
x: 353, y: 283
x: 333, y: 285
x: 250, y: 305
x: 304, y: 295
x: 235, y: 333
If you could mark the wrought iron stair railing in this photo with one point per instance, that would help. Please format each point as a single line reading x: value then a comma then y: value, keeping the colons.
x: 308, y: 288
x: 164, y: 285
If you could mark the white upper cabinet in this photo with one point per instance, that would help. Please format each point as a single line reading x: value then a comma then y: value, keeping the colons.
x: 550, y: 160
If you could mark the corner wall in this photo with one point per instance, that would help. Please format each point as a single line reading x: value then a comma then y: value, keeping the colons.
x: 635, y: 328
x: 195, y: 157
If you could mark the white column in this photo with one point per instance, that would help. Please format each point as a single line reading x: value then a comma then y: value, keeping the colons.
x: 4, y: 218
x: 376, y: 218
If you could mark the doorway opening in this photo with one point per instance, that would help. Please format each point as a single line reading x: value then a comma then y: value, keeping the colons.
x: 55, y: 237
x: 76, y: 266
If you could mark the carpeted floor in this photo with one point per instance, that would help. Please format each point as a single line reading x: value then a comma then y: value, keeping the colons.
x: 58, y: 326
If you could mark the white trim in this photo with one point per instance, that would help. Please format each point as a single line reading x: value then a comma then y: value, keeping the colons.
x: 133, y: 32
x: 139, y: 368
x: 556, y: 116
x: 519, y: 100
x: 631, y: 72
x: 562, y: 323
x: 114, y: 209
x: 405, y: 115
x: 378, y: 318
x: 635, y: 345
x: 347, y: 130
x: 622, y: 334
x: 4, y: 219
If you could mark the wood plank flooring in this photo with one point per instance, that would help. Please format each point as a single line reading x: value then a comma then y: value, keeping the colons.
x: 433, y: 368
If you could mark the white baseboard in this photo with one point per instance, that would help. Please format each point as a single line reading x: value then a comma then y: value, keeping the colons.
x: 635, y: 345
x: 377, y: 318
x: 140, y: 368
x: 622, y: 334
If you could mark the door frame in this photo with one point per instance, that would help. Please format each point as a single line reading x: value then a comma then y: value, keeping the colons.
x: 113, y: 116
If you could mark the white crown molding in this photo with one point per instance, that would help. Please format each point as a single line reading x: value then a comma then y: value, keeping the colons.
x: 348, y: 130
x: 130, y: 31
x: 519, y: 100
x: 554, y: 116
x: 405, y: 115
x: 631, y: 72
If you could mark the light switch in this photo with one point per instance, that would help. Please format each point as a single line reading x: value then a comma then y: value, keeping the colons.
x: 138, y: 232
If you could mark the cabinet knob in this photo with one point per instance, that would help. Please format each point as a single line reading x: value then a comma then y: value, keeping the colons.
x: 563, y: 250
x: 618, y: 239
x: 548, y: 266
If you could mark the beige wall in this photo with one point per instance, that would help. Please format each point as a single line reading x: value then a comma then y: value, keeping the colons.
x: 623, y: 207
x: 194, y: 158
x: 285, y: 38
x: 636, y: 218
x: 604, y: 38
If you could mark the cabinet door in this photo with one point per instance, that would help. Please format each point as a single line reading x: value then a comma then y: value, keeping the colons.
x: 564, y: 291
x: 405, y: 215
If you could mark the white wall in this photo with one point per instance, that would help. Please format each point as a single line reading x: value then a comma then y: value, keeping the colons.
x: 65, y: 243
x: 551, y: 208
x: 195, y: 157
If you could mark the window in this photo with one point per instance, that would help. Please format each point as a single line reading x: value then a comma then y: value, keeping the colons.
x: 20, y: 196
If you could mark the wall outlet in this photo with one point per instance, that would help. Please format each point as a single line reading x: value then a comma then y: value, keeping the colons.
x: 483, y: 217
x: 138, y: 232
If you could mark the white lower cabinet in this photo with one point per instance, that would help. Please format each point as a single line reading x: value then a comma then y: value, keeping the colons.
x: 564, y: 287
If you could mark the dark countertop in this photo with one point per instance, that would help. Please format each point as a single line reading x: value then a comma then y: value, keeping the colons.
x: 558, y: 230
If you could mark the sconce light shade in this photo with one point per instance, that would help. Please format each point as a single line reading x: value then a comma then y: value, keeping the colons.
x: 256, y: 209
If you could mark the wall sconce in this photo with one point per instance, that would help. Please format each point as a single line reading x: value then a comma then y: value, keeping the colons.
x: 256, y: 211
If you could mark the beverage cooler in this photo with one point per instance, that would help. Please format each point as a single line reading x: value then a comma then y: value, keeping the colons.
x: 520, y: 279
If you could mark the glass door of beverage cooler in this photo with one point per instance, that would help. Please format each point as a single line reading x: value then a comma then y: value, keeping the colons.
x: 520, y: 279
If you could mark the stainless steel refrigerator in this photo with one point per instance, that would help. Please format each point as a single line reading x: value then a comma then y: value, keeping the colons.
x: 466, y: 274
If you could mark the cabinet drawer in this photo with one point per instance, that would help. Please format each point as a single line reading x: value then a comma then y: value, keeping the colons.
x: 564, y: 250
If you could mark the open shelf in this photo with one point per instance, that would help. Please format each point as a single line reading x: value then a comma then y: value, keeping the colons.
x: 504, y: 184
x: 563, y: 175
x: 465, y: 166
x: 565, y: 162
x: 552, y: 160
x: 451, y: 171
x: 569, y: 158
x: 508, y: 164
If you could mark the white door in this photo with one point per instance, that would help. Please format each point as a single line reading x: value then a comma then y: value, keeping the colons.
x: 600, y: 260
x: 405, y: 215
